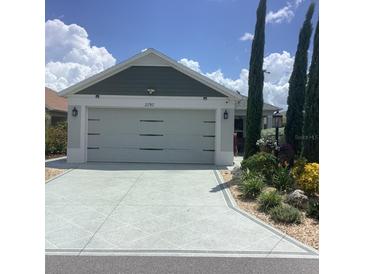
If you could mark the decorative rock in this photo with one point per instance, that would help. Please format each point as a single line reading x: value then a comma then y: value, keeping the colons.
x: 236, y: 172
x: 270, y: 189
x: 297, y: 198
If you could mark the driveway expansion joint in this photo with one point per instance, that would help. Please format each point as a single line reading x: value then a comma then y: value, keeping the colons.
x: 120, y: 201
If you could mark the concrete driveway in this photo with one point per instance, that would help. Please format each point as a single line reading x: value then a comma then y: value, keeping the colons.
x: 154, y: 209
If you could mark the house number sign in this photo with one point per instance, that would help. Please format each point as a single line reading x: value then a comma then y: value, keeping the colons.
x: 149, y: 105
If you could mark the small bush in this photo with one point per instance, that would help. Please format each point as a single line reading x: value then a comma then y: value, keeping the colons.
x: 268, y: 200
x: 270, y: 132
x: 298, y: 167
x: 267, y: 144
x: 286, y: 214
x: 308, y: 180
x: 313, y: 209
x: 56, y: 138
x: 282, y: 179
x: 286, y: 154
x: 262, y: 162
x: 251, y: 185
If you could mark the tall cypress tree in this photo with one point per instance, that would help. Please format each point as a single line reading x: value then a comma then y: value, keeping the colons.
x: 297, y: 84
x: 255, y: 83
x: 311, y: 107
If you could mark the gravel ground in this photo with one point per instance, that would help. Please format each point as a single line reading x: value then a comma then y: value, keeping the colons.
x: 306, y: 232
x: 51, y: 172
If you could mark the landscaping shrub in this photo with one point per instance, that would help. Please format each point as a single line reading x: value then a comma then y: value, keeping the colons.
x: 270, y: 132
x: 286, y: 154
x: 262, y: 162
x: 282, y: 179
x: 268, y: 200
x: 286, y: 214
x: 308, y: 180
x: 251, y: 184
x: 298, y: 167
x: 313, y: 209
x: 56, y: 139
x: 267, y: 144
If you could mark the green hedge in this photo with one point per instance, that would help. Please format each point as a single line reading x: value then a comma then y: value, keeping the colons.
x: 56, y: 139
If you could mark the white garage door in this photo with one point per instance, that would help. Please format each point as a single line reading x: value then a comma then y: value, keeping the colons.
x: 151, y: 135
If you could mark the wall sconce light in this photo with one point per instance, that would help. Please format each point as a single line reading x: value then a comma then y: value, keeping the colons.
x: 225, y: 115
x: 150, y: 91
x: 97, y: 96
x: 74, y: 112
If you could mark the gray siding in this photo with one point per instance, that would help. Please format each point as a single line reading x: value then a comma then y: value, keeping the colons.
x: 166, y: 81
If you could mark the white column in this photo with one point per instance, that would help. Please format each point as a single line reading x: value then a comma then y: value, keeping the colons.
x: 83, y: 133
x: 218, y: 128
x: 269, y: 121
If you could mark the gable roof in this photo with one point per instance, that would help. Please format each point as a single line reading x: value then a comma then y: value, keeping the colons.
x: 167, y: 60
x: 53, y: 101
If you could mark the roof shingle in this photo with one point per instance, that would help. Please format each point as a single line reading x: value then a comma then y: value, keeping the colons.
x: 55, y: 102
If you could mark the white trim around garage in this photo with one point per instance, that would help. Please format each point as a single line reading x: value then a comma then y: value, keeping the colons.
x: 223, y: 155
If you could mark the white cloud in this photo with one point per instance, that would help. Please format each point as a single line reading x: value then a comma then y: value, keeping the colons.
x: 247, y: 37
x: 279, y: 66
x: 70, y: 58
x: 144, y: 50
x: 190, y: 64
x: 285, y: 14
x: 282, y: 15
x: 298, y: 2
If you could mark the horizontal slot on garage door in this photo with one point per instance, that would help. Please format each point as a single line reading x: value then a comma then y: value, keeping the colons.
x: 211, y: 136
x: 208, y: 150
x: 152, y: 121
x: 92, y: 147
x: 93, y: 133
x: 93, y: 119
x: 150, y: 148
x: 209, y: 122
x: 151, y: 135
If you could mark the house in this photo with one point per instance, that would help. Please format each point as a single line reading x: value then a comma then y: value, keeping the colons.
x: 150, y: 108
x: 56, y: 107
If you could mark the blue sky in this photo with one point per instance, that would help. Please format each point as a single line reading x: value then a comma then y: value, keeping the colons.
x: 205, y: 31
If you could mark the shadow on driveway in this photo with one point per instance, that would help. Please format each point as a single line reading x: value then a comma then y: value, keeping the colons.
x: 62, y: 164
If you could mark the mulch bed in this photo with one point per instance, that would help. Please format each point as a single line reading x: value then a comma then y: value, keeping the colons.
x: 307, y: 232
x: 52, y: 172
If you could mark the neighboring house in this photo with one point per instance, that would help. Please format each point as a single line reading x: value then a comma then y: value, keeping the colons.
x: 150, y: 108
x: 284, y: 117
x: 56, y: 107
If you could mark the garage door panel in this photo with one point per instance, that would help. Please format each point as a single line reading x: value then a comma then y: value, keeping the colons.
x: 189, y: 141
x: 140, y: 135
x: 126, y: 140
x: 151, y: 126
x: 190, y: 156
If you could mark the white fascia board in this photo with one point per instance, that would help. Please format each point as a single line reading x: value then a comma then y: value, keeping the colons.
x: 147, y: 102
x: 129, y: 62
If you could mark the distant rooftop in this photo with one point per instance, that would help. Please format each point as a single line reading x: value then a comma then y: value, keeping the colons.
x: 55, y: 102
